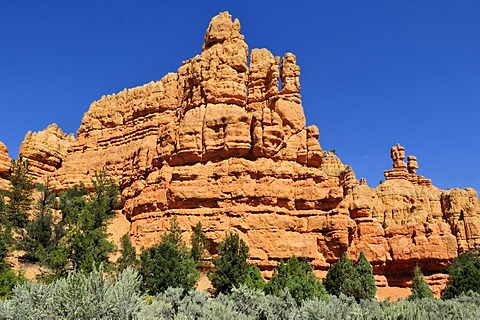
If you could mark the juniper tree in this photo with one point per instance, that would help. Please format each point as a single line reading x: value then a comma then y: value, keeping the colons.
x: 199, y: 245
x: 168, y: 264
x: 298, y: 277
x: 353, y: 281
x: 83, y: 239
x: 231, y: 267
x: 420, y: 288
x: 341, y: 278
x: 128, y: 257
x: 464, y: 275
x: 19, y: 194
x: 254, y: 279
x: 365, y: 286
x: 40, y: 236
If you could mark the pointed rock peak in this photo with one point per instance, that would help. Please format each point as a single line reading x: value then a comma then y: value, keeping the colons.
x: 5, y: 162
x: 3, y: 148
x: 221, y: 29
x: 53, y: 130
x: 45, y: 150
x: 57, y: 131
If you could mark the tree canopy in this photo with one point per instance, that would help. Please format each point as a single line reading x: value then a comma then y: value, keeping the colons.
x: 297, y: 276
x: 351, y: 280
x: 168, y: 263
x: 231, y: 266
x: 19, y: 195
x: 420, y: 288
x: 464, y: 275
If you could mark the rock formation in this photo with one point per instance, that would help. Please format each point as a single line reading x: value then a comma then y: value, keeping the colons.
x: 224, y: 141
x: 412, y: 165
x: 45, y: 150
x: 402, y: 170
x: 5, y: 166
x: 221, y: 142
x: 421, y: 224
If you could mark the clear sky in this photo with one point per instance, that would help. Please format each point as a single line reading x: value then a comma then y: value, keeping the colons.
x: 373, y: 73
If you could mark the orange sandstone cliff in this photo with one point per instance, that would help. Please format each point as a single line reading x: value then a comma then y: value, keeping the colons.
x: 5, y: 166
x: 224, y: 141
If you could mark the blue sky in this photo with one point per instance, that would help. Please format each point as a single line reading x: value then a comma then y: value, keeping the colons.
x: 373, y: 73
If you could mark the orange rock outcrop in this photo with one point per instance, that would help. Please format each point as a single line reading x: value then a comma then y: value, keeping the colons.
x: 420, y: 224
x: 5, y: 166
x: 224, y: 141
x: 45, y: 150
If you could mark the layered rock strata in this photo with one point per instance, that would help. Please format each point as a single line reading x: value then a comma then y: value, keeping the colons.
x: 5, y: 166
x: 45, y: 150
x: 224, y: 141
x: 218, y: 140
x: 406, y: 221
x: 214, y: 108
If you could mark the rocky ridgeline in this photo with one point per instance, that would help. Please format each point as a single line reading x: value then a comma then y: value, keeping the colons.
x: 225, y: 142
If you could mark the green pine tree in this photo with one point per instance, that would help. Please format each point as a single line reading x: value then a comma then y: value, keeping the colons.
x: 420, y: 288
x: 464, y: 275
x: 83, y: 240
x: 174, y: 235
x: 298, y: 277
x: 46, y: 201
x: 39, y: 237
x: 8, y: 278
x: 102, y: 201
x: 19, y: 194
x: 3, y: 250
x: 350, y: 282
x: 341, y: 277
x: 365, y: 288
x: 254, y: 279
x: 128, y: 257
x: 353, y: 281
x: 168, y: 264
x: 71, y: 204
x: 6, y: 233
x: 3, y: 209
x: 199, y: 245
x: 231, y: 267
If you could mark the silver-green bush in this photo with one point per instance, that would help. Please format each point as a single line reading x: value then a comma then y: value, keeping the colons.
x: 77, y: 296
x: 98, y: 296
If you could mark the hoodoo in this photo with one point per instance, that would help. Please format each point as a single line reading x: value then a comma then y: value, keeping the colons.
x: 45, y: 150
x: 224, y: 141
x: 5, y: 166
